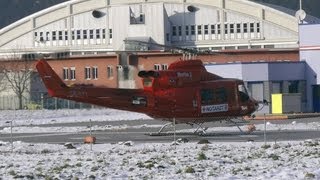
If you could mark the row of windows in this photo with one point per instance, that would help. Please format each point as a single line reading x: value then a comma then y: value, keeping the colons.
x: 75, y: 35
x: 89, y: 73
x: 229, y: 28
x: 160, y: 67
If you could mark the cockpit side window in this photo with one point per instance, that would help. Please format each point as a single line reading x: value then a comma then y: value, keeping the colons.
x: 243, y: 93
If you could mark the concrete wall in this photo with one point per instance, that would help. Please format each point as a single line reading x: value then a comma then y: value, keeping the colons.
x: 309, y: 52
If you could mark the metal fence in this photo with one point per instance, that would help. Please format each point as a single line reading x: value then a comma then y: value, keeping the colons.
x: 40, y: 101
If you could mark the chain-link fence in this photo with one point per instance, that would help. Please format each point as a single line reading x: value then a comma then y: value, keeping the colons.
x: 39, y: 101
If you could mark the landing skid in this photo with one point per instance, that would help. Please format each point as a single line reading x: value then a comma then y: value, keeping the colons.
x: 200, y: 130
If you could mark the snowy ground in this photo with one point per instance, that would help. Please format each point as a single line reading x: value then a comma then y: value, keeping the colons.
x: 190, y: 160
x: 285, y: 160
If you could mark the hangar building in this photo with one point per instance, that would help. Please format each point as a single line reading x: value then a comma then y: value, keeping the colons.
x: 84, y: 39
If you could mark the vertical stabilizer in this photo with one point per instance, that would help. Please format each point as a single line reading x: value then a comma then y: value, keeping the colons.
x: 50, y: 79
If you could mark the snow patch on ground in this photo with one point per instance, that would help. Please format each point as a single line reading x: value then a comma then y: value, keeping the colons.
x: 285, y: 160
x: 38, y: 117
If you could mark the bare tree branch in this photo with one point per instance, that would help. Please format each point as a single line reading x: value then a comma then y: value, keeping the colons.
x: 18, y: 73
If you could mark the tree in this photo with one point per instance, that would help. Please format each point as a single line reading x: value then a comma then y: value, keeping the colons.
x: 17, y: 74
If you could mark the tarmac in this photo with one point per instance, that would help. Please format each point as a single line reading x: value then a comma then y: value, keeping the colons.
x: 283, y: 116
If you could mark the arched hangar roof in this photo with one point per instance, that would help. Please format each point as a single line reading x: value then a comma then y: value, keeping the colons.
x: 29, y: 24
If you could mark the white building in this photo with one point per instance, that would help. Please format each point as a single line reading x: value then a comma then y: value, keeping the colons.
x: 94, y: 26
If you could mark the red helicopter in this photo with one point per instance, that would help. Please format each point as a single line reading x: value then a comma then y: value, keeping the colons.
x: 185, y: 93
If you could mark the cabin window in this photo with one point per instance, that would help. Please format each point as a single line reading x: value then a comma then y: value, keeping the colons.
x: 220, y: 95
x: 206, y: 96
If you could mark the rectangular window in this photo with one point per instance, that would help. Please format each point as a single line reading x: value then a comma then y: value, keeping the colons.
x: 98, y: 33
x: 206, y: 96
x: 60, y: 35
x: 164, y: 66
x: 91, y: 33
x: 110, y: 72
x: 174, y: 30
x: 251, y: 27
x: 73, y: 73
x: 187, y: 30
x: 103, y: 34
x: 66, y: 35
x: 226, y: 29
x: 258, y: 27
x: 41, y: 37
x: 78, y: 34
x: 220, y: 95
x: 293, y: 87
x: 238, y: 28
x: 47, y: 36
x: 141, y: 18
x: 95, y: 73
x: 73, y: 35
x: 245, y: 28
x: 179, y: 30
x: 65, y: 74
x: 85, y: 35
x: 193, y: 30
x: 213, y: 29
x: 157, y: 67
x: 219, y: 28
x: 231, y: 28
x: 87, y: 73
x: 110, y: 33
x: 206, y: 29
x: 168, y: 37
x: 54, y: 36
x: 199, y: 29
